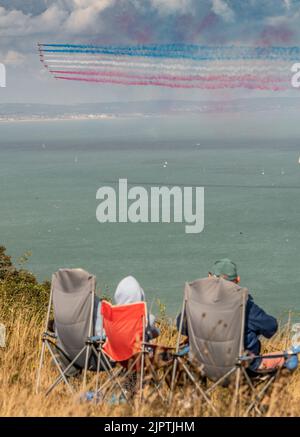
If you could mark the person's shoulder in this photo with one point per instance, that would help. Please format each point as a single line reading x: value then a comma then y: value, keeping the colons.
x: 250, y: 298
x: 254, y: 309
x: 251, y: 306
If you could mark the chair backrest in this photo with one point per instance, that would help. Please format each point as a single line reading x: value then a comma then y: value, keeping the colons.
x: 215, y: 311
x: 73, y: 301
x: 124, y: 327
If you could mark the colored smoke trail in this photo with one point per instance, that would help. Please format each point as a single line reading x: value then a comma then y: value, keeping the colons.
x: 166, y: 84
x: 173, y: 65
x: 162, y: 77
x: 182, y: 51
x: 214, y: 66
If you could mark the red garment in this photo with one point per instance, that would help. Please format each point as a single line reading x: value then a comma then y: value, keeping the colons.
x: 124, y: 327
x: 271, y: 363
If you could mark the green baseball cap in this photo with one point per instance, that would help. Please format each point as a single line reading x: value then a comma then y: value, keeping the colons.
x: 226, y: 268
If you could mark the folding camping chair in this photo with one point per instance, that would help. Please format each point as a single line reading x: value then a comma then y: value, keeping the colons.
x: 125, y: 344
x: 215, y: 315
x: 72, y: 346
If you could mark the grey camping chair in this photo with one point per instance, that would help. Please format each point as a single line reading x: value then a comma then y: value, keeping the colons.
x: 214, y: 309
x: 73, y: 345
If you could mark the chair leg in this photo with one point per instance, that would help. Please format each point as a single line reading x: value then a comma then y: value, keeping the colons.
x: 260, y: 395
x: 114, y: 378
x: 175, y: 365
x: 142, y: 376
x: 38, y: 380
x: 220, y: 380
x: 156, y: 381
x: 159, y: 381
x: 98, y: 372
x: 202, y: 392
x: 87, y: 355
x: 252, y: 389
x: 235, y: 401
x: 128, y: 373
x: 62, y: 373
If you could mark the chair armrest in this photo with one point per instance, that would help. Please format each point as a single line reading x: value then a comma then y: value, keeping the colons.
x: 95, y: 339
x: 158, y: 346
x: 183, y: 351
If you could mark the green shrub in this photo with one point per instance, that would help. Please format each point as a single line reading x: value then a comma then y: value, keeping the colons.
x: 6, y: 265
x: 20, y: 289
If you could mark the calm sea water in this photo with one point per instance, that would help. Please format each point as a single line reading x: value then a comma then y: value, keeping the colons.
x: 252, y: 210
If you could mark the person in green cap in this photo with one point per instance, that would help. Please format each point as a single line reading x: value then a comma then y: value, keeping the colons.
x: 257, y: 322
x: 227, y: 269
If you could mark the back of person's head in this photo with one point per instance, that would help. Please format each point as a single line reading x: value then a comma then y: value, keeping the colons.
x: 226, y: 269
x: 129, y: 291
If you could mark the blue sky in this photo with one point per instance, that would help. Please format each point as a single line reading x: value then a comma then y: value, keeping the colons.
x: 23, y: 23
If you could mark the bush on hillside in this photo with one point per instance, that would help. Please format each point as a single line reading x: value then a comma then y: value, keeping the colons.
x: 19, y: 287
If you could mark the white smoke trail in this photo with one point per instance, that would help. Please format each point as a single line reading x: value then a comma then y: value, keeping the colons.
x: 221, y: 67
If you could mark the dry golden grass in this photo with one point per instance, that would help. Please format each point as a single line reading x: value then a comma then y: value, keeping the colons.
x: 18, y: 369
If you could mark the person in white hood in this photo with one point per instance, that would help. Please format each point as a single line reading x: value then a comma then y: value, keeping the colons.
x: 130, y: 291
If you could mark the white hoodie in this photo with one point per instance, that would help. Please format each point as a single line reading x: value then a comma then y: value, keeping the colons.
x: 130, y: 291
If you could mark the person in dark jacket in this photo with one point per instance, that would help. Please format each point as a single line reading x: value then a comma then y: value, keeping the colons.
x: 257, y: 322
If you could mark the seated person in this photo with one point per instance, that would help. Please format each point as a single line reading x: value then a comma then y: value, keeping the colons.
x: 257, y: 322
x: 130, y: 291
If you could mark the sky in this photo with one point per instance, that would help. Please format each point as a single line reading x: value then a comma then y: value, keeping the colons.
x: 24, y: 23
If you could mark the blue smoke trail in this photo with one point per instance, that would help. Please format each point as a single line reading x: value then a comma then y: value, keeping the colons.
x: 177, y: 51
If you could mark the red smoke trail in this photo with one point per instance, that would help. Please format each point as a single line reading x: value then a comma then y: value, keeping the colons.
x: 214, y: 85
x: 169, y: 77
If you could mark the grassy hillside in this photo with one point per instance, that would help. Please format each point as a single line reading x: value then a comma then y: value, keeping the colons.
x: 23, y: 303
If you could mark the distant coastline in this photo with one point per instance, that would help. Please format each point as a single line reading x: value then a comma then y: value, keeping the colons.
x: 68, y: 117
x: 17, y: 112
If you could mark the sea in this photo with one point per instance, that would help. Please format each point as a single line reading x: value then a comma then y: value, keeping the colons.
x: 50, y: 172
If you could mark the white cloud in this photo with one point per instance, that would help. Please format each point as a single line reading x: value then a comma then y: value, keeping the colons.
x: 81, y: 4
x: 171, y: 6
x: 53, y: 17
x: 221, y: 8
x: 70, y: 16
x: 13, y: 57
x: 14, y: 23
x: 86, y: 14
x: 276, y: 20
x: 12, y: 20
x: 280, y: 20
